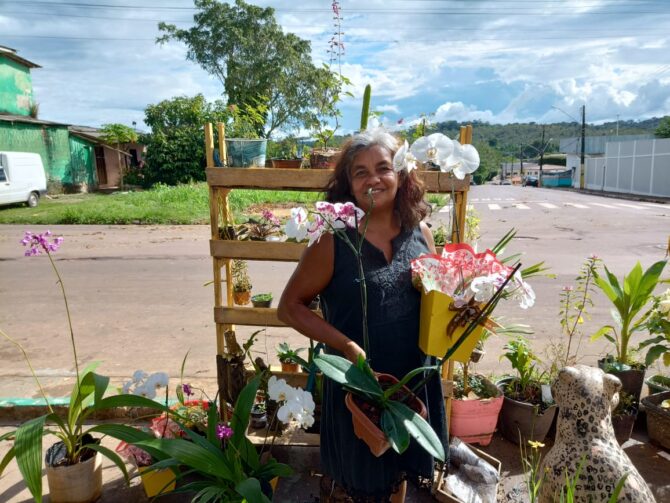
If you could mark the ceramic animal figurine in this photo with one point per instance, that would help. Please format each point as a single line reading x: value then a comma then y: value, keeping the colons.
x: 586, y: 397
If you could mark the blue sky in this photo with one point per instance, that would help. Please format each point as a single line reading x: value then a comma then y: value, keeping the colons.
x: 499, y: 61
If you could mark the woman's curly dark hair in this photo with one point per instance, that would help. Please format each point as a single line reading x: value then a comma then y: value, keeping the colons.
x: 409, y: 202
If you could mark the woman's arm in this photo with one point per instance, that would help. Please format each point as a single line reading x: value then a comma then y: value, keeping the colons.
x: 311, y: 277
x: 425, y: 230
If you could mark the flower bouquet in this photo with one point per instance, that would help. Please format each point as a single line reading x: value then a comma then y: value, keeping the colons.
x: 455, y: 288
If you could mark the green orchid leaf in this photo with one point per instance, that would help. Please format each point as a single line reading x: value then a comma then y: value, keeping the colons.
x: 419, y: 429
x: 112, y: 456
x: 112, y: 402
x: 8, y: 435
x: 128, y: 434
x: 250, y: 489
x: 9, y: 455
x: 240, y: 419
x: 655, y: 353
x: 28, y: 452
x: 192, y: 455
x: 499, y: 247
x: 85, y: 388
x: 388, y: 392
x: 271, y: 469
x: 395, y: 431
x: 344, y: 372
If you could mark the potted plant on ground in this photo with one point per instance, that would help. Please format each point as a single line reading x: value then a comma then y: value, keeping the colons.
x: 658, y: 343
x: 289, y: 358
x: 241, y: 283
x: 73, y: 464
x: 287, y: 156
x: 261, y: 300
x: 630, y: 299
x: 624, y: 416
x: 527, y: 412
x: 475, y: 408
x: 657, y: 407
x: 260, y: 228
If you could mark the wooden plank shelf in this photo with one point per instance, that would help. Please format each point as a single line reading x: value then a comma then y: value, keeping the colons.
x: 312, y: 179
x: 253, y: 316
x: 281, y: 251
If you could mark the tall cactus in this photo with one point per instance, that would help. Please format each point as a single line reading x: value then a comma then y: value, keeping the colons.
x: 366, y: 107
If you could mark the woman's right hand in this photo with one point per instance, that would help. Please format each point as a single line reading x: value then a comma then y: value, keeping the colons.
x: 352, y: 351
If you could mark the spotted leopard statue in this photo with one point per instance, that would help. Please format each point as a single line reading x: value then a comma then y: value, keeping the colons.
x: 585, y: 397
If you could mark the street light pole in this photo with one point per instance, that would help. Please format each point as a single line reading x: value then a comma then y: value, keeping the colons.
x: 539, y: 182
x: 581, y: 169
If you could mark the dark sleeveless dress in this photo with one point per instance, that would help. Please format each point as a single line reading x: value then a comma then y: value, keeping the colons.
x: 393, y: 321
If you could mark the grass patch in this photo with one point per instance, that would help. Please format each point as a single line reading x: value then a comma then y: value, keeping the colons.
x: 183, y: 204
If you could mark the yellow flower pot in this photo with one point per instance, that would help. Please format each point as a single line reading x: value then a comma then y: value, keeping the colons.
x: 157, y: 481
x: 435, y: 318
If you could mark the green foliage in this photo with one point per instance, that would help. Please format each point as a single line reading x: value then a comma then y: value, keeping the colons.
x: 490, y: 161
x: 244, y: 47
x: 523, y: 360
x: 288, y: 355
x: 116, y: 134
x: 629, y: 299
x: 323, y: 118
x: 398, y: 421
x: 241, y: 280
x: 575, y: 304
x: 365, y: 110
x: 663, y: 129
x: 658, y: 325
x: 182, y: 204
x: 235, y: 473
x: 176, y: 144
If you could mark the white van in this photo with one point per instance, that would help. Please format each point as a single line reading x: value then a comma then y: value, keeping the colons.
x: 22, y: 178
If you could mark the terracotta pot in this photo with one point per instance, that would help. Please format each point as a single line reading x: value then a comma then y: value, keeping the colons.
x: 365, y: 429
x: 323, y: 159
x: 474, y: 421
x: 80, y: 483
x: 241, y: 298
x: 290, y: 367
x: 157, y: 482
x: 286, y: 163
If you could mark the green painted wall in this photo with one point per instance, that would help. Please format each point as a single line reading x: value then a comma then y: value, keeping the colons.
x: 82, y: 162
x: 16, y: 87
x: 51, y: 142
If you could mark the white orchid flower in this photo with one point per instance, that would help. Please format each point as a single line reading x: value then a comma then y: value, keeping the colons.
x: 279, y: 391
x: 521, y: 291
x: 404, y: 159
x: 463, y: 160
x: 435, y: 148
x: 145, y: 391
x: 157, y: 381
x: 484, y: 287
x: 139, y: 375
x: 296, y: 226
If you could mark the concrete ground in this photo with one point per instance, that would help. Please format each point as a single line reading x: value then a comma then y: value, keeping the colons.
x: 140, y: 300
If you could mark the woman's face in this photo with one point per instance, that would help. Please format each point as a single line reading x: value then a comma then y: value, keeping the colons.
x: 373, y: 169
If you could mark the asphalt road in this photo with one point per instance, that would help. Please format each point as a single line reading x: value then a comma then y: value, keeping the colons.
x: 138, y: 298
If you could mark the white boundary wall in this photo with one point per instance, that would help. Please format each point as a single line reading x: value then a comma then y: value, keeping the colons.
x: 633, y: 167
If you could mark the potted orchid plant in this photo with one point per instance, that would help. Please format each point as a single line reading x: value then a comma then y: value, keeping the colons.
x: 73, y: 464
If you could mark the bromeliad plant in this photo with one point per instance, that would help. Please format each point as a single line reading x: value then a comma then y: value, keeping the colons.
x: 629, y: 298
x: 86, y: 398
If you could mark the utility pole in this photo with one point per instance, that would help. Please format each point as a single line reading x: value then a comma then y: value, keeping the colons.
x: 542, y: 146
x: 582, y: 167
x: 520, y: 162
x: 617, y: 124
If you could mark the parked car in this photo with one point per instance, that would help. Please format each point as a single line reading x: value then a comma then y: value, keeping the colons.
x: 531, y: 181
x: 506, y: 181
x: 22, y: 178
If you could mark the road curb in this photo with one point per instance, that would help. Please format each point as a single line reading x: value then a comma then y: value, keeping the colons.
x: 616, y: 195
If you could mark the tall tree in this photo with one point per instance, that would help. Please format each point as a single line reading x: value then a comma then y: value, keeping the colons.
x: 244, y: 47
x: 663, y: 129
x: 118, y: 134
x: 175, y: 146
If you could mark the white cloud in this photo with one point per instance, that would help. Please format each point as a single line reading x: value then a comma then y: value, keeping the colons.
x: 387, y: 108
x: 457, y: 111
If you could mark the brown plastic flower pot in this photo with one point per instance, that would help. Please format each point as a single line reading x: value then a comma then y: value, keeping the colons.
x: 242, y: 298
x: 366, y: 429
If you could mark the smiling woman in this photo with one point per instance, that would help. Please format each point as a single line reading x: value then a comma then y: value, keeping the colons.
x: 383, y: 328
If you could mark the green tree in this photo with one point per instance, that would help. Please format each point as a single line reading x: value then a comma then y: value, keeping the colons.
x: 176, y: 144
x: 117, y: 134
x: 490, y: 160
x: 663, y: 129
x: 244, y: 47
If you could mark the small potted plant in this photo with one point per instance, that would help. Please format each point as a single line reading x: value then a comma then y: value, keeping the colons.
x: 289, y: 358
x: 263, y: 228
x: 624, y: 416
x: 658, y: 344
x: 262, y: 300
x: 287, y: 156
x: 527, y: 412
x: 241, y: 283
x: 657, y: 407
x: 629, y: 299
